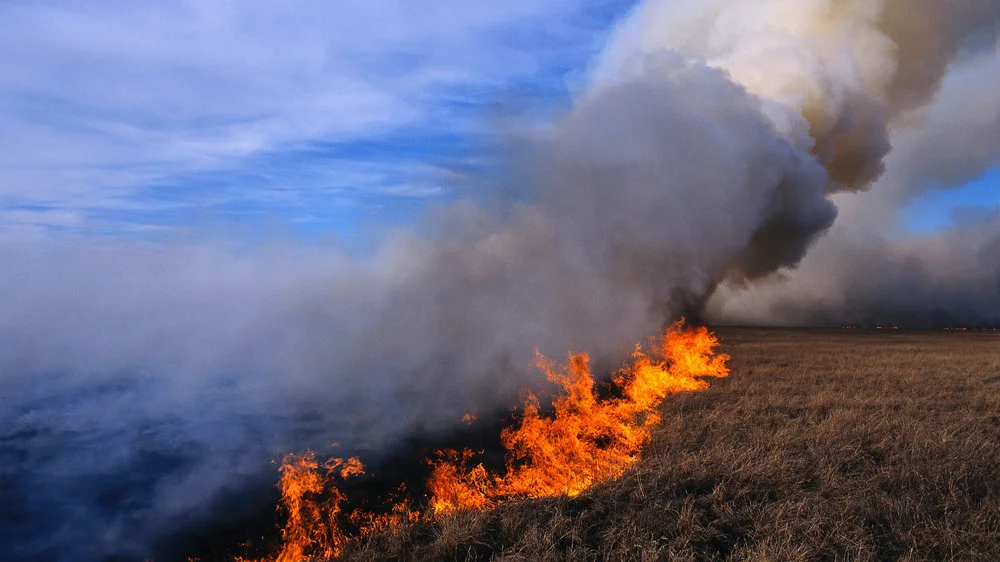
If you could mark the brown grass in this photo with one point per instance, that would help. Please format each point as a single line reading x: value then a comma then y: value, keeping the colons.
x: 822, y: 445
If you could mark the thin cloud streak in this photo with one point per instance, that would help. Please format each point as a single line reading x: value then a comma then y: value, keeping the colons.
x: 102, y: 100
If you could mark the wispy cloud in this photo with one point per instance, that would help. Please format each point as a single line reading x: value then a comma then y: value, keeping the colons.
x: 107, y: 106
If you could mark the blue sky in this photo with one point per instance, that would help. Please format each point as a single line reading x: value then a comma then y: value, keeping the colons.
x: 128, y: 118
x: 145, y: 119
x: 936, y: 210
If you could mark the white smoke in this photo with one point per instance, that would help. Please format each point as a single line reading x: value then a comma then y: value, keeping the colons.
x: 838, y: 80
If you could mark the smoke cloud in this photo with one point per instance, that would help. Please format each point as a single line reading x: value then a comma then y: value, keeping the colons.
x: 868, y: 270
x: 145, y: 382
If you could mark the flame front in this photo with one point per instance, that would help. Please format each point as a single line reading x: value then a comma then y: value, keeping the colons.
x: 589, y: 437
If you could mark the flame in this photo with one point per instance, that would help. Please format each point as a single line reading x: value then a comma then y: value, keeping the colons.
x: 313, y: 506
x: 589, y: 437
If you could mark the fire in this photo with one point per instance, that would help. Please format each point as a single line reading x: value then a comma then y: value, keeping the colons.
x: 313, y: 529
x: 587, y: 439
x: 584, y: 438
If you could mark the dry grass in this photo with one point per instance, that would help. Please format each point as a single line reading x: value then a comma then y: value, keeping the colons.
x: 822, y: 445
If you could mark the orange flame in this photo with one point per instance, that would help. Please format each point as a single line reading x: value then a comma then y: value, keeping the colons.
x: 587, y: 439
x: 312, y: 529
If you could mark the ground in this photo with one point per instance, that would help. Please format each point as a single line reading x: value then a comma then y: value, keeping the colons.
x: 821, y: 445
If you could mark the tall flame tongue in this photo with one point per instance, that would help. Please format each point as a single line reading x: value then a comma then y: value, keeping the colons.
x: 313, y: 528
x: 586, y: 439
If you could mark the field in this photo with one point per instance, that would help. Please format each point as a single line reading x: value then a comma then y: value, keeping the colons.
x: 821, y: 445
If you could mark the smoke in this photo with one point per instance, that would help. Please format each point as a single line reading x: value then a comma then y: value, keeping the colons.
x: 147, y: 382
x: 869, y: 270
x: 841, y: 82
x: 950, y: 279
x: 835, y: 73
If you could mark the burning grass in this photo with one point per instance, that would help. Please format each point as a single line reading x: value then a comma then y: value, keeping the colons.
x: 822, y: 445
x: 587, y: 439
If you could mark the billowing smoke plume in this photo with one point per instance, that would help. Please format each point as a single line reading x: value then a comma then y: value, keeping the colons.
x: 147, y: 381
x: 869, y: 270
x: 832, y: 77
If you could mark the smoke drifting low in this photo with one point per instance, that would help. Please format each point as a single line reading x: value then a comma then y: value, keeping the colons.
x: 144, y: 382
x: 952, y: 279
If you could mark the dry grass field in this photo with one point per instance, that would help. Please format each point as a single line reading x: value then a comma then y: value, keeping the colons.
x: 821, y: 445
